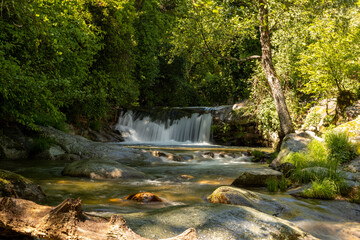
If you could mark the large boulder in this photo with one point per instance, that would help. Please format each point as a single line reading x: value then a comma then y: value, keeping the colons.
x: 255, y: 177
x: 213, y: 221
x: 101, y: 169
x: 293, y: 142
x: 17, y: 186
x: 85, y: 148
x: 238, y: 196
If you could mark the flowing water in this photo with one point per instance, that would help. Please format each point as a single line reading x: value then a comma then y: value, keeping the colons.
x: 324, y: 219
x: 181, y: 183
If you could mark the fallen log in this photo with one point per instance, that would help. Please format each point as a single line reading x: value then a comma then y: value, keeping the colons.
x: 23, y: 218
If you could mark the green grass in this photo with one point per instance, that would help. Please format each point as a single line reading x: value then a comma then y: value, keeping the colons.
x: 272, y: 185
x: 340, y: 148
x: 324, y: 189
x: 283, y: 184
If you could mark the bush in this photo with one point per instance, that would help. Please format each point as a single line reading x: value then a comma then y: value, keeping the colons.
x: 340, y: 148
x: 325, y: 189
x: 283, y: 184
x: 272, y: 185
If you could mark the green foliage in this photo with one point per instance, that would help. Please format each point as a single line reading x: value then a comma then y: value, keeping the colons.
x: 324, y: 189
x: 272, y: 185
x: 267, y: 119
x: 41, y: 144
x: 283, y: 184
x: 341, y: 150
x: 95, y: 125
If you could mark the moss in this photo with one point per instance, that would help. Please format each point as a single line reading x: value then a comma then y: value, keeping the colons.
x: 8, y: 177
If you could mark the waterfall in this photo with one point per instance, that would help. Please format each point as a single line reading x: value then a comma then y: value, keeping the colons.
x: 141, y: 128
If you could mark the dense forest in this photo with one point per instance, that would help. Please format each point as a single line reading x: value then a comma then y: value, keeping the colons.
x: 67, y: 60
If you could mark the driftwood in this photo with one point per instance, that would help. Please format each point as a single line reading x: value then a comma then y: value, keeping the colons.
x: 23, y: 218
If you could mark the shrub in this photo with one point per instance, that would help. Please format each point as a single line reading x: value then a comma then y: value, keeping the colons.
x: 317, y: 154
x: 299, y: 159
x: 340, y: 148
x: 283, y: 184
x: 272, y: 185
x: 325, y: 189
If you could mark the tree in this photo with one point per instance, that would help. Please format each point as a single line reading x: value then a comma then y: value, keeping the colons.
x: 286, y: 125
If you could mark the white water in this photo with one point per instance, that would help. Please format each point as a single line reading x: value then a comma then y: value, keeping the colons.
x: 194, y: 129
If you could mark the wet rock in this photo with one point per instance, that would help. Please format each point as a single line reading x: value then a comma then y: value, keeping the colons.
x: 213, y: 221
x: 9, y: 149
x: 159, y: 154
x: 208, y: 154
x: 17, y: 186
x: 145, y: 197
x: 255, y: 177
x: 294, y: 142
x: 231, y: 155
x: 238, y: 196
x: 175, y: 158
x: 101, y: 169
x: 222, y: 154
x: 287, y: 169
x: 67, y: 157
x: 186, y: 177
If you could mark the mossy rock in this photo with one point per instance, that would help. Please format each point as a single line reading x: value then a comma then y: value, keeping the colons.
x: 17, y: 186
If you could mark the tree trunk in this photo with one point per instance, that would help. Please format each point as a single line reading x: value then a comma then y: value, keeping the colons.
x: 286, y: 125
x: 20, y: 219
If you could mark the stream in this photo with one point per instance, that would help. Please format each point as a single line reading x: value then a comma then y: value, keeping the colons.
x: 185, y: 183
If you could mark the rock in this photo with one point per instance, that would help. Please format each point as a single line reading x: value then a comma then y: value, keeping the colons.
x: 213, y: 221
x: 222, y: 154
x: 52, y: 153
x: 293, y: 142
x: 349, y: 188
x: 255, y: 177
x: 144, y: 197
x: 186, y: 177
x: 353, y: 166
x: 352, y: 128
x: 9, y: 149
x: 238, y: 196
x: 287, y: 169
x: 175, y: 158
x: 17, y: 186
x: 85, y: 148
x: 208, y: 154
x: 67, y: 157
x: 159, y: 154
x: 101, y: 169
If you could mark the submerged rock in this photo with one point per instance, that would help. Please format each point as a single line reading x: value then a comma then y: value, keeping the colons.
x: 101, y: 169
x: 213, y: 221
x: 255, y: 177
x: 144, y: 197
x: 238, y: 196
x: 208, y: 154
x: 17, y: 186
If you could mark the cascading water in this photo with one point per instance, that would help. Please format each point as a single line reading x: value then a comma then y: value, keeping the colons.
x: 195, y: 128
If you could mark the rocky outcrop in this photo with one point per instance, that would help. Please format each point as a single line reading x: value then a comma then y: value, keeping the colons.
x: 294, y: 142
x: 255, y: 177
x: 238, y: 196
x: 96, y: 168
x: 213, y: 221
x: 17, y: 186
